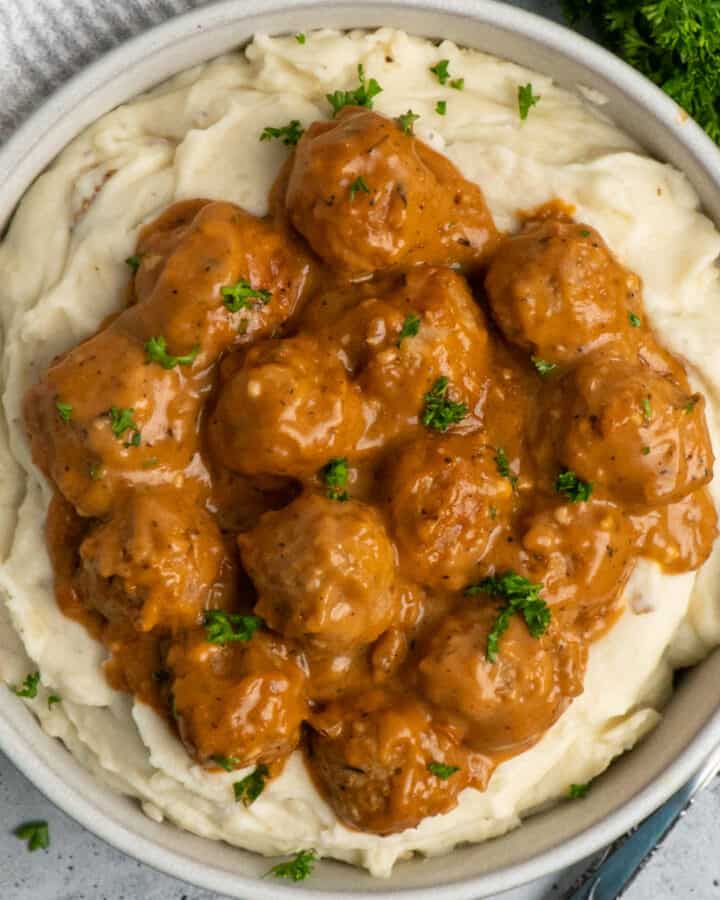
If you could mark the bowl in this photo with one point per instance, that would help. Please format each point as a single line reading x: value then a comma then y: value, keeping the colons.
x: 637, y: 783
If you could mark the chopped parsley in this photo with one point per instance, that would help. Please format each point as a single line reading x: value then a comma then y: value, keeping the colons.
x: 156, y: 350
x: 298, y: 868
x: 441, y: 107
x: 645, y: 451
x: 457, y: 84
x: 543, y: 367
x: 634, y: 320
x: 441, y: 70
x: 439, y: 413
x: 225, y: 762
x: 575, y: 489
x: 577, y: 791
x: 361, y: 96
x: 410, y: 327
x: 526, y: 99
x: 290, y: 134
x: 64, y: 410
x: 300, y: 37
x: 238, y: 296
x: 249, y: 788
x: 690, y: 405
x: 358, y: 185
x: 442, y: 771
x: 521, y: 597
x: 222, y: 627
x: 585, y: 232
x: 122, y: 420
x: 37, y: 835
x: 646, y: 408
x: 52, y: 700
x: 133, y: 262
x: 407, y: 121
x: 503, y: 466
x: 28, y: 689
x: 335, y: 475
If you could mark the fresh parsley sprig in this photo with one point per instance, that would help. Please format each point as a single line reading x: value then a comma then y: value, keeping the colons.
x: 29, y: 688
x: 238, y: 296
x: 37, y: 835
x: 122, y: 420
x: 526, y: 99
x: 575, y: 489
x: 296, y: 869
x: 223, y: 628
x: 334, y: 475
x: 441, y: 770
x: 410, y: 327
x: 363, y: 95
x: 289, y: 134
x: 156, y: 351
x: 249, y: 788
x: 439, y: 412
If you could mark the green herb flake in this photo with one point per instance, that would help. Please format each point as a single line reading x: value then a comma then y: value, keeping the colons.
x: 223, y: 628
x: 362, y: 95
x: 289, y: 134
x: 249, y: 788
x: 122, y: 420
x: 441, y: 107
x: 410, y: 327
x: 577, y: 791
x: 575, y: 489
x: 300, y: 37
x: 298, y: 868
x: 634, y: 320
x: 543, y: 367
x: 407, y: 122
x: 238, y: 296
x: 37, y: 835
x: 441, y: 70
x: 646, y: 408
x: 156, y: 351
x: 585, y: 232
x: 64, y: 411
x: 334, y: 475
x: 358, y: 185
x: 225, y: 762
x: 503, y: 466
x: 458, y: 84
x: 690, y: 405
x: 29, y: 688
x: 442, y: 771
x: 526, y: 99
x: 439, y: 413
x: 52, y: 700
x: 521, y: 597
x: 133, y: 262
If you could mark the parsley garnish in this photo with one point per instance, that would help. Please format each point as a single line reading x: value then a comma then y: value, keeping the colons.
x: 37, y: 835
x: 521, y: 596
x: 238, y: 296
x: 64, y: 410
x: 300, y: 37
x: 133, y: 262
x: 441, y: 70
x: 440, y: 413
x: 585, y: 232
x: 222, y: 627
x: 645, y: 451
x: 298, y: 868
x: 156, y: 350
x: 122, y: 420
x: 634, y: 320
x: 358, y: 185
x: 441, y: 107
x: 410, y: 327
x: 646, y: 408
x: 526, y: 99
x: 503, y: 466
x: 458, y: 84
x: 52, y: 700
x: 335, y: 475
x: 543, y: 367
x: 249, y: 788
x: 361, y: 96
x: 407, y: 121
x: 28, y: 688
x: 290, y: 133
x: 442, y: 771
x: 690, y: 405
x: 578, y: 790
x: 574, y: 488
x: 225, y: 762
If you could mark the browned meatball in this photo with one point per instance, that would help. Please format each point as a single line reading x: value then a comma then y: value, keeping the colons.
x: 370, y: 757
x: 637, y: 433
x: 155, y: 563
x: 446, y: 502
x: 508, y: 704
x: 289, y: 408
x: 556, y: 291
x: 243, y: 701
x: 367, y: 196
x: 324, y: 571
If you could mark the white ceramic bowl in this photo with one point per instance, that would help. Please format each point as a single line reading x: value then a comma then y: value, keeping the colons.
x: 637, y: 783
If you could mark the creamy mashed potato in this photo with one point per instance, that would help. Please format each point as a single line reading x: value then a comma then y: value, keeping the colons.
x: 62, y: 271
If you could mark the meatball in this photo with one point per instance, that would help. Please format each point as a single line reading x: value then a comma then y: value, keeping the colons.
x: 506, y: 705
x: 637, y: 433
x: 286, y: 411
x: 155, y: 563
x: 366, y: 195
x: 370, y: 757
x: 243, y: 701
x: 324, y: 571
x: 446, y: 502
x: 556, y: 291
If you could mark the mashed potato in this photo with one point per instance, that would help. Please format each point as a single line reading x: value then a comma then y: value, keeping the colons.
x: 62, y: 271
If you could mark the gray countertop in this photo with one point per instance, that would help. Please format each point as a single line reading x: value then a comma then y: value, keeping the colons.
x: 79, y: 866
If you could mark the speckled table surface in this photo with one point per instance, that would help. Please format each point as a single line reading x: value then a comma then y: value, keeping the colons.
x: 78, y: 866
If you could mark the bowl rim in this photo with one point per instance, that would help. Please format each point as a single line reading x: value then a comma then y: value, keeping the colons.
x: 28, y: 152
